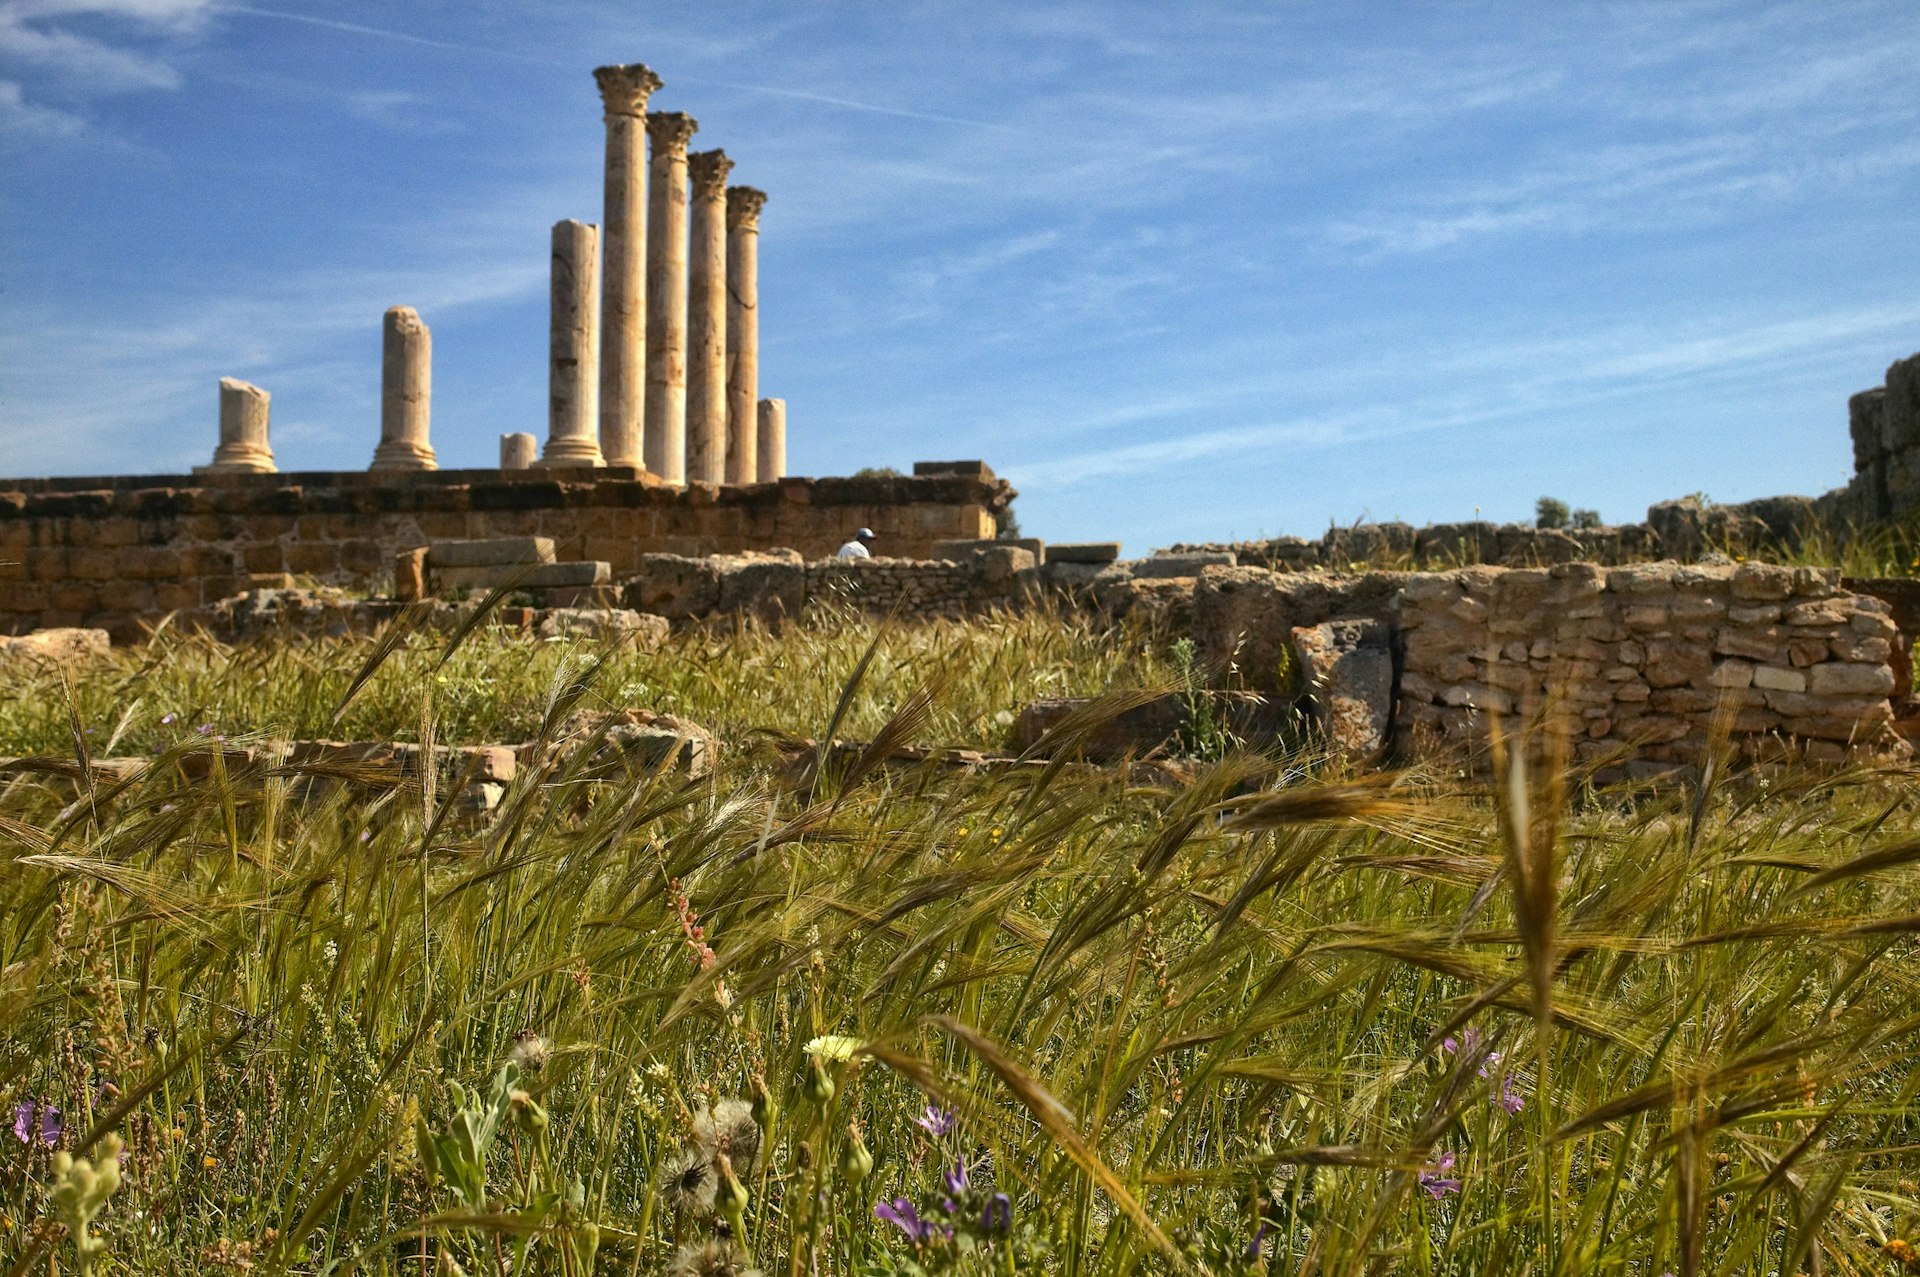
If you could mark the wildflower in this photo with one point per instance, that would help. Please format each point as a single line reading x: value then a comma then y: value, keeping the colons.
x: 833, y: 1046
x: 901, y: 1213
x: 960, y: 832
x: 997, y: 1215
x: 994, y: 833
x: 1901, y: 1251
x: 716, y: 1257
x: 728, y: 1127
x: 34, y: 1121
x: 167, y: 718
x: 205, y: 729
x: 955, y: 1181
x: 530, y: 1051
x: 1435, y: 1180
x: 1510, y: 1098
x: 934, y: 1121
x: 692, y: 1185
x: 209, y: 1162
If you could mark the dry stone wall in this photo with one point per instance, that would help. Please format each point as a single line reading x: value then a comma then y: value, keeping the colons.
x: 1646, y: 663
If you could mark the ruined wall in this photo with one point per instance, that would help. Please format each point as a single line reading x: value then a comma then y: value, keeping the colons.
x: 775, y: 586
x: 1646, y: 661
x: 1885, y: 426
x: 112, y: 551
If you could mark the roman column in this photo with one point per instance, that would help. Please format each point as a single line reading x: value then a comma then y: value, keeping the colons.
x: 707, y: 318
x: 666, y: 416
x: 773, y: 440
x: 406, y: 393
x: 517, y: 451
x: 243, y: 447
x: 624, y: 91
x: 743, y: 332
x: 573, y: 380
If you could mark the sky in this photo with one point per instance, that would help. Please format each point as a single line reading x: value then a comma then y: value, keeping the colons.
x: 1181, y: 272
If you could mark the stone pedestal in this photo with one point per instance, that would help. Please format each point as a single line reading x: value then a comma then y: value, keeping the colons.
x: 243, y: 447
x: 666, y: 406
x: 573, y: 372
x: 624, y: 91
x: 772, y: 457
x: 406, y: 393
x: 518, y: 451
x: 743, y: 333
x: 707, y: 318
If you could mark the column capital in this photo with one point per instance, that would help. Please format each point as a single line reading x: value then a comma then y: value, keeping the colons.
x: 743, y: 207
x: 708, y: 170
x: 625, y: 89
x: 671, y: 130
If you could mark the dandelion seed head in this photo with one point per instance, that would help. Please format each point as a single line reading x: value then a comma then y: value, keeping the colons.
x: 728, y: 1127
x: 530, y: 1051
x: 691, y: 1185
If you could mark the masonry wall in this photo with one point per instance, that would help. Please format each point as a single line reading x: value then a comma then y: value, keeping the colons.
x: 1646, y: 662
x: 110, y: 552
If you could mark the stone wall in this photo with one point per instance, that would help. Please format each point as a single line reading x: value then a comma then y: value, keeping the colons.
x: 1885, y: 426
x: 1646, y: 662
x: 782, y: 584
x: 112, y: 552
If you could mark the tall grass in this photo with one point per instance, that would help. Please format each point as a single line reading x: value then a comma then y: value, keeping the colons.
x: 1249, y: 1020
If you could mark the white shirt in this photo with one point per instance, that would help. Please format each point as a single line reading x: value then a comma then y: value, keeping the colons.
x: 853, y: 550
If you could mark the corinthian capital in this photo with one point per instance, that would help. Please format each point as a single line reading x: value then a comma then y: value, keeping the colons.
x: 671, y: 130
x: 743, y: 207
x: 625, y: 89
x: 708, y: 170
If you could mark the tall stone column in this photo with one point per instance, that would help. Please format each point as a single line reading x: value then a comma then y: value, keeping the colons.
x: 573, y: 375
x: 624, y: 91
x: 406, y: 393
x: 773, y: 440
x: 243, y: 447
x: 743, y: 332
x: 518, y: 451
x: 666, y: 434
x: 707, y: 318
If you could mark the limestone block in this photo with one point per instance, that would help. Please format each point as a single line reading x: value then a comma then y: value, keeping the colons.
x: 769, y: 588
x: 1755, y: 613
x: 1657, y: 728
x: 1645, y: 619
x: 1774, y: 679
x: 1477, y: 696
x: 410, y: 575
x: 1142, y: 730
x: 1864, y: 622
x: 957, y: 551
x: 1901, y: 406
x: 1843, y: 679
x: 1632, y: 692
x: 1348, y: 670
x: 1816, y: 583
x: 618, y: 626
x: 1762, y: 645
x: 1177, y: 565
x: 1822, y: 613
x: 1866, y: 426
x: 1682, y: 700
x: 524, y: 576
x: 1731, y: 673
x: 1803, y: 652
x: 57, y: 646
x: 492, y: 552
x: 1083, y: 552
x: 1850, y: 646
x: 1753, y: 582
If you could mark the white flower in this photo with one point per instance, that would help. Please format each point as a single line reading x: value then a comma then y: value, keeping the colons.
x: 834, y: 1046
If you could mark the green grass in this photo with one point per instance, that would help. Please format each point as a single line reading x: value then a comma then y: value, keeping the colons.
x: 1171, y: 1015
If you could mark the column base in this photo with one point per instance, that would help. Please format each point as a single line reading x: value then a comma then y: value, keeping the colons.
x: 570, y: 454
x: 239, y: 459
x: 401, y: 454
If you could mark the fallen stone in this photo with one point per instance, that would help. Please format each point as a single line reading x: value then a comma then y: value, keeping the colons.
x: 491, y: 552
x: 1161, y: 566
x: 1083, y: 552
x: 642, y: 630
x: 958, y: 551
x: 543, y: 576
x: 66, y: 646
x: 1347, y: 666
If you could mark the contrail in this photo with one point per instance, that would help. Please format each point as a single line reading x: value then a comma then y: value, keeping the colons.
x: 354, y: 28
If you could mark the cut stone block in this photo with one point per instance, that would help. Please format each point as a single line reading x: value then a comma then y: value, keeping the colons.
x: 1140, y: 731
x: 489, y: 553
x: 634, y: 629
x: 54, y: 647
x: 970, y: 469
x: 1176, y: 565
x: 545, y: 576
x: 1084, y: 552
x: 959, y: 550
x: 1348, y: 669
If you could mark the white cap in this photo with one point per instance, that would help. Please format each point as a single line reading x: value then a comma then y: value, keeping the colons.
x: 864, y: 534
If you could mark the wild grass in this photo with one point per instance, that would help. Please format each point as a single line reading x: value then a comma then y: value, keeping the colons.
x: 1263, y: 1018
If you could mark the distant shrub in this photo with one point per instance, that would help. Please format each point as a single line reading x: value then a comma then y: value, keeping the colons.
x: 1586, y: 519
x: 1549, y: 512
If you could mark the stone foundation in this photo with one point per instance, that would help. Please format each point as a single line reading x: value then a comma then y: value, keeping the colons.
x: 113, y: 552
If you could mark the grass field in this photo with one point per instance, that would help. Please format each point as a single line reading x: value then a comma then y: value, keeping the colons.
x: 1259, y: 1017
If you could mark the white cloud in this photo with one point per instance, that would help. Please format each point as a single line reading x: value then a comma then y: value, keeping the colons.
x: 17, y: 115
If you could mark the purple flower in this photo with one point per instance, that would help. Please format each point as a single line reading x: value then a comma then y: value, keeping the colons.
x: 1253, y: 1247
x: 998, y: 1215
x: 1510, y: 1098
x: 167, y: 718
x: 934, y: 1121
x: 1490, y: 1063
x: 901, y: 1213
x: 956, y: 1179
x: 1470, y: 1039
x: 204, y: 728
x: 366, y: 836
x: 48, y: 1124
x: 1436, y: 1182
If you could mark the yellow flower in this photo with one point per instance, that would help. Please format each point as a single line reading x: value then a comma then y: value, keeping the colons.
x: 960, y: 832
x: 1899, y: 1251
x: 178, y: 1134
x: 994, y: 832
x: 209, y: 1162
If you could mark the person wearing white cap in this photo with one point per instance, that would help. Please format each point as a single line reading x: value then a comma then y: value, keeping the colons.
x: 857, y: 548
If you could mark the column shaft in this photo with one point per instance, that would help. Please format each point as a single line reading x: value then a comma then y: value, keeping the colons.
x: 773, y: 440
x: 624, y: 91
x: 666, y: 407
x: 244, y: 446
x: 518, y: 451
x: 573, y: 377
x: 743, y: 333
x: 406, y: 393
x: 707, y: 318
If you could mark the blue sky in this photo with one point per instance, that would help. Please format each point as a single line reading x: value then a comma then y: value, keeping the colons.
x: 1181, y: 272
